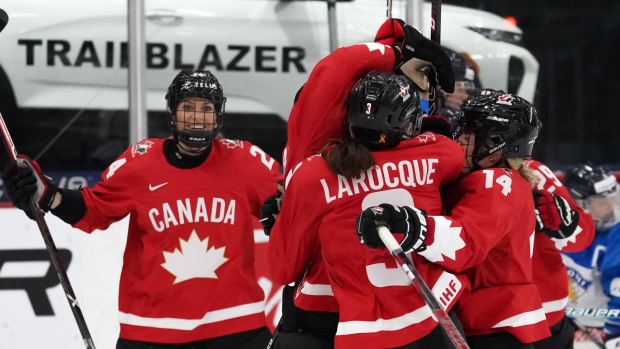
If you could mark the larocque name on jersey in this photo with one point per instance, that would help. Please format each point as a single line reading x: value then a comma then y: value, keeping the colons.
x: 408, y: 173
x: 158, y: 56
x: 188, y: 211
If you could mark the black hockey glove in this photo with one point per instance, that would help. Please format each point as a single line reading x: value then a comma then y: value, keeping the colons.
x: 23, y: 179
x: 554, y: 216
x: 408, y: 224
x: 270, y: 210
x: 410, y: 43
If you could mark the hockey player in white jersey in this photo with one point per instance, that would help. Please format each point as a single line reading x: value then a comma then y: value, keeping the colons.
x: 594, y: 273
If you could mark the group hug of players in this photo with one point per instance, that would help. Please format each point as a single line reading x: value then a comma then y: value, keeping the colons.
x: 484, y: 224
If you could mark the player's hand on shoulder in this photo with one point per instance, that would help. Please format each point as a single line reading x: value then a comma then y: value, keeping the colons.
x: 407, y: 224
x: 24, y: 180
x: 554, y: 216
x: 409, y: 44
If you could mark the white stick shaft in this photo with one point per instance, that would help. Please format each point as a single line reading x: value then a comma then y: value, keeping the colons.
x: 388, y: 239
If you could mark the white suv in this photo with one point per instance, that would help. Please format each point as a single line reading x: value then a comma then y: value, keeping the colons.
x: 69, y: 54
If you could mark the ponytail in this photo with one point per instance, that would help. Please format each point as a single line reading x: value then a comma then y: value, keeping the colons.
x: 525, y: 172
x: 347, y: 157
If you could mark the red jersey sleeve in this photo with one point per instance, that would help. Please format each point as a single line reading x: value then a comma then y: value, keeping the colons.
x: 266, y: 173
x: 584, y: 233
x: 111, y: 199
x: 492, y: 203
x: 293, y: 242
x: 320, y: 111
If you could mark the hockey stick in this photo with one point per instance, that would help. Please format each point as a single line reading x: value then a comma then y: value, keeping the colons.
x: 274, y: 335
x: 436, y: 37
x: 417, y: 281
x: 585, y: 331
x: 388, y: 12
x: 37, y: 214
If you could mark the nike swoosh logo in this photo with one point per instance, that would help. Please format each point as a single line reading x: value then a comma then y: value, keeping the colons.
x: 153, y: 188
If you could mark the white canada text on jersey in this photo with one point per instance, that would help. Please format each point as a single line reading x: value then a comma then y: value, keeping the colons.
x: 192, y: 211
x: 406, y: 173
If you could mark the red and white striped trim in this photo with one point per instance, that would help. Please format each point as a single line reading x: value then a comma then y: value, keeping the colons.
x: 317, y: 289
x: 523, y: 319
x: 394, y: 324
x: 556, y: 305
x: 190, y: 324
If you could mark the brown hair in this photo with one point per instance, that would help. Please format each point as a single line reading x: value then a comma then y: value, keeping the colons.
x: 347, y: 157
x: 524, y: 171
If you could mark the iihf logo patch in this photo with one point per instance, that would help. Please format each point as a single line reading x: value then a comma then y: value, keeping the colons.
x: 404, y: 92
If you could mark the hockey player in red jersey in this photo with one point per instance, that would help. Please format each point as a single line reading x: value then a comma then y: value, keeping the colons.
x: 379, y: 308
x: 489, y: 232
x: 562, y: 226
x: 318, y: 115
x: 190, y: 200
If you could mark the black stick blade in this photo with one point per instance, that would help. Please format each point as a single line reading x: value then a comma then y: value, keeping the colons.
x: 4, y: 19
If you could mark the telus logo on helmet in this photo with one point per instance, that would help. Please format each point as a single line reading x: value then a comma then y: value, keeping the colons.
x: 189, y: 84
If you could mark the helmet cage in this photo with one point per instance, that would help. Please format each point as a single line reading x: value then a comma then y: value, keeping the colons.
x: 597, y: 191
x: 608, y: 217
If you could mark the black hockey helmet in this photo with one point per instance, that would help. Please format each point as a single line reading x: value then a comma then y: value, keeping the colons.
x: 383, y: 109
x: 585, y: 183
x: 500, y: 122
x: 200, y: 84
x: 464, y: 72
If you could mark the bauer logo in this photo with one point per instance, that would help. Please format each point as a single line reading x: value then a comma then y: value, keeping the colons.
x: 32, y: 272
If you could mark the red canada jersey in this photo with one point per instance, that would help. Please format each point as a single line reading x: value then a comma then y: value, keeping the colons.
x: 379, y: 308
x: 188, y: 268
x: 318, y: 116
x: 489, y: 235
x: 320, y: 111
x: 549, y: 272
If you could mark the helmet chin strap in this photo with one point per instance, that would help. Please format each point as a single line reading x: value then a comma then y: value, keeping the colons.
x: 190, y: 150
x: 189, y: 141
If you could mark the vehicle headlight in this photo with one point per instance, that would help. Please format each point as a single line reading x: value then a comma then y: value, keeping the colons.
x: 499, y: 35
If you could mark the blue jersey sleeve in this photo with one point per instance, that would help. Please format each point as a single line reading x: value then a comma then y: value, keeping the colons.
x: 610, y: 277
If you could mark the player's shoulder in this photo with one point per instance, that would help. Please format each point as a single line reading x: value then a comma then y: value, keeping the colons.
x: 308, y: 171
x: 235, y: 147
x: 136, y: 160
x: 144, y: 152
x: 431, y: 138
x: 429, y: 144
x: 533, y: 164
x: 615, y: 231
x: 245, y: 152
x: 497, y: 179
